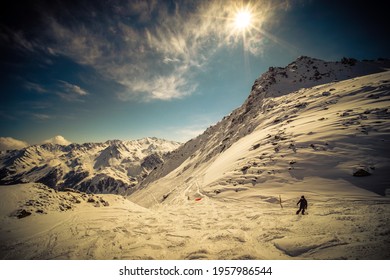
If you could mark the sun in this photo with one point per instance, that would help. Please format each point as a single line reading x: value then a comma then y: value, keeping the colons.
x: 242, y: 19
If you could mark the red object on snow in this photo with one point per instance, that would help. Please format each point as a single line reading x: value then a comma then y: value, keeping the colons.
x: 198, y: 198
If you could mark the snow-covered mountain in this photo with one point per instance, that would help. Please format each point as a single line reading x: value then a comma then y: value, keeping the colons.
x: 230, y: 193
x: 310, y: 118
x: 110, y: 167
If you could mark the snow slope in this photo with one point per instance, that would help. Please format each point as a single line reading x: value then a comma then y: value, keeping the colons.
x: 61, y: 224
x: 110, y: 167
x: 328, y: 131
x: 303, y: 73
x: 238, y: 227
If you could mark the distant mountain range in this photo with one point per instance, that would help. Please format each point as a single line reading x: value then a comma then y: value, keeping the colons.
x: 110, y: 167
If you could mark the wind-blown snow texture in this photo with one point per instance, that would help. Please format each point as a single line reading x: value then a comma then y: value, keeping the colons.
x: 110, y: 167
x: 314, y: 128
x: 262, y: 106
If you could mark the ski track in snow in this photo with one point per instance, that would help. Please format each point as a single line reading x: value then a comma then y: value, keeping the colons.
x: 211, y: 228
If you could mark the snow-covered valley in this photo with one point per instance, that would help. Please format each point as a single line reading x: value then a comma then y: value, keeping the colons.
x: 231, y: 193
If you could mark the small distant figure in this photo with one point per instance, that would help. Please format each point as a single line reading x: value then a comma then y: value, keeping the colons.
x: 302, y: 205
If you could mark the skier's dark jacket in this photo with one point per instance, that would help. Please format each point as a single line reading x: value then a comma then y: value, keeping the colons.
x: 303, y: 203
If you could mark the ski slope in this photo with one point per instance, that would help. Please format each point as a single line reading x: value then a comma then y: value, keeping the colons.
x: 240, y: 227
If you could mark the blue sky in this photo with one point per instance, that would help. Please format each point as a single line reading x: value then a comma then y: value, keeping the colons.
x: 98, y: 70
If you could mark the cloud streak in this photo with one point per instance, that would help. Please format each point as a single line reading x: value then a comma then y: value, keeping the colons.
x: 9, y: 143
x: 151, y: 48
x: 71, y: 92
x: 60, y: 140
x: 67, y: 91
x: 41, y: 117
x: 35, y: 87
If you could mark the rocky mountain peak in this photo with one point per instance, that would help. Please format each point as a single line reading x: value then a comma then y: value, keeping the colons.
x: 114, y: 166
x: 306, y: 72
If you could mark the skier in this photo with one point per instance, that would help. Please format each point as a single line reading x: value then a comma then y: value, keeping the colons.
x: 302, y: 205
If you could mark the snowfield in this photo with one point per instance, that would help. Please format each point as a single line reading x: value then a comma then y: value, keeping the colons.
x: 247, y: 226
x: 231, y: 193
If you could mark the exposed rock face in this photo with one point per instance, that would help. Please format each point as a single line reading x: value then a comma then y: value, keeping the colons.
x: 152, y: 161
x: 361, y: 173
x: 111, y: 167
x: 52, y: 178
x: 22, y: 213
x: 43, y: 200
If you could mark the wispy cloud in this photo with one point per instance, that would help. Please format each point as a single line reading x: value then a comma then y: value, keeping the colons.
x: 152, y: 47
x: 73, y: 89
x: 19, y: 40
x: 71, y: 92
x: 9, y: 143
x: 60, y: 140
x: 187, y: 133
x: 182, y: 133
x: 67, y: 91
x: 41, y: 117
x: 161, y: 87
x: 196, y: 126
x: 35, y: 87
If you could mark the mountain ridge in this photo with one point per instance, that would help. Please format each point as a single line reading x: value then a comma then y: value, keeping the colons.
x: 277, y: 81
x: 114, y: 166
x: 272, y: 106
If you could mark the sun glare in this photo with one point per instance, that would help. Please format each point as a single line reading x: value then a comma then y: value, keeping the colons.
x: 243, y: 19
